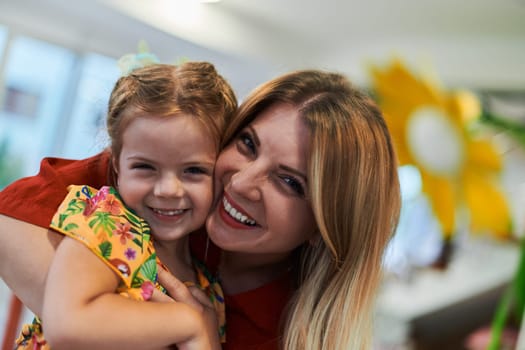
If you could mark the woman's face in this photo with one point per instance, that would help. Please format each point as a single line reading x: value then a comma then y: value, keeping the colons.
x: 262, y: 205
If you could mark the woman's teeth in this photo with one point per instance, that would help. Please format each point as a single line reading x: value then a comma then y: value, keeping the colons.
x: 235, y: 214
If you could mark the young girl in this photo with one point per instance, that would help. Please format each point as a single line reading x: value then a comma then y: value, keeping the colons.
x: 165, y: 124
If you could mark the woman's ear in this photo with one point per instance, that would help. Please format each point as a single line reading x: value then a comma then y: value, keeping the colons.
x: 315, y: 239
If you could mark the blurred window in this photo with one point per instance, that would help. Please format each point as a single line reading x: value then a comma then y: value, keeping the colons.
x: 418, y: 238
x: 53, y: 103
x: 86, y: 131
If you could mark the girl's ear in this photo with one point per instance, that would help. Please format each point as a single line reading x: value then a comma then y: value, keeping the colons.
x: 114, y: 165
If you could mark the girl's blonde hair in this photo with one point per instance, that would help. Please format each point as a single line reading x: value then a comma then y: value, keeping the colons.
x: 192, y: 88
x: 354, y: 192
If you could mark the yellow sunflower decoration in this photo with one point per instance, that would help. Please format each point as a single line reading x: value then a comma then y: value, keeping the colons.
x: 458, y: 171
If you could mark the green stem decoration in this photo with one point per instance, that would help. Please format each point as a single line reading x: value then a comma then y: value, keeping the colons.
x: 514, y: 294
x: 519, y: 285
x: 514, y: 129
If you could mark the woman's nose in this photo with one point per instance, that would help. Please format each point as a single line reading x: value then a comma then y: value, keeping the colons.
x: 247, y: 182
x: 169, y: 186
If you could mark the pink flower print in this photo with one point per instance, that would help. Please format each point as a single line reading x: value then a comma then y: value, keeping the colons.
x: 104, y: 191
x: 123, y: 231
x: 92, y: 203
x: 90, y: 207
x: 130, y: 254
x: 147, y: 290
x: 111, y: 205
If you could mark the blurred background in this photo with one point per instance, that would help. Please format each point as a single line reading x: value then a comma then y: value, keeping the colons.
x: 450, y: 76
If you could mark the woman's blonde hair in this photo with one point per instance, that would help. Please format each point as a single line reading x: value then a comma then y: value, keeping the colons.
x: 354, y: 192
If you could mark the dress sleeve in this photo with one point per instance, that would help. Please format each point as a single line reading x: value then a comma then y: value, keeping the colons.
x: 101, y: 221
x: 209, y: 284
x: 34, y: 199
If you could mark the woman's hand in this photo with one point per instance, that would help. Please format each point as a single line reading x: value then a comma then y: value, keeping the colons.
x: 207, y: 338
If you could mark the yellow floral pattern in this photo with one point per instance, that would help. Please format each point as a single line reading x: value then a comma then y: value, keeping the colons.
x: 101, y: 221
x: 120, y: 238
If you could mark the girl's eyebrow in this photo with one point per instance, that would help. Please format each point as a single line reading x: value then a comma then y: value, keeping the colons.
x: 136, y: 157
x: 254, y: 135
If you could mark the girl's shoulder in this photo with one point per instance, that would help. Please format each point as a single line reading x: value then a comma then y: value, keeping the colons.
x: 100, y: 220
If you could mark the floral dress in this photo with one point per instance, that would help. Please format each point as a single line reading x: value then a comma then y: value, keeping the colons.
x: 101, y: 221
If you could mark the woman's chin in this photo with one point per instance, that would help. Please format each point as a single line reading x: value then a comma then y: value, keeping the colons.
x: 229, y: 235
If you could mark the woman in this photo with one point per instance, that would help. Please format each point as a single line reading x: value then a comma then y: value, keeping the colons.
x: 307, y: 198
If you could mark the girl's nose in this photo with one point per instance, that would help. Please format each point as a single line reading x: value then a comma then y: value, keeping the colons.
x: 169, y: 186
x: 247, y: 182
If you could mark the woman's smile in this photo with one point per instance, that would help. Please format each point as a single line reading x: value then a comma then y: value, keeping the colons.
x: 232, y: 211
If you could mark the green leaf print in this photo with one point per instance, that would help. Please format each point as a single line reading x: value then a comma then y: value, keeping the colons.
x: 132, y: 219
x: 103, y: 221
x: 105, y: 249
x: 137, y: 282
x: 143, y: 241
x: 149, y: 268
x: 138, y: 242
x: 75, y: 206
x: 61, y: 219
x: 70, y: 226
x: 145, y: 236
x: 144, y: 228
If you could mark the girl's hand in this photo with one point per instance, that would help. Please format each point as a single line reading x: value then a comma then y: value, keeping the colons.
x: 207, y: 337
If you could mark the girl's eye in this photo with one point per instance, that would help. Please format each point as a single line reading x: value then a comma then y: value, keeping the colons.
x: 246, y: 142
x: 195, y: 170
x: 144, y: 166
x: 294, y: 184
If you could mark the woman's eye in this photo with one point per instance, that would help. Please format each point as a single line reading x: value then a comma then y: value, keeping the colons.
x: 294, y: 184
x: 246, y: 142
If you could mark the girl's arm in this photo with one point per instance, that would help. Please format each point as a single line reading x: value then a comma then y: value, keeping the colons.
x: 26, y: 251
x: 82, y: 311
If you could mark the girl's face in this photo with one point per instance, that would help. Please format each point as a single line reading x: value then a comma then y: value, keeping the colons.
x: 261, y: 176
x: 165, y: 173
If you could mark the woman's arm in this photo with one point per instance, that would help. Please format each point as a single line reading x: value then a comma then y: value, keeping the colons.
x: 26, y: 251
x: 26, y: 207
x: 82, y: 311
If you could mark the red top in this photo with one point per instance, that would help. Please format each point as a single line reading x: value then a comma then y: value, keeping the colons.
x: 252, y: 318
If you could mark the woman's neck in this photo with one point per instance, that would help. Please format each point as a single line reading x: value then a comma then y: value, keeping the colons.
x: 176, y: 256
x: 240, y: 272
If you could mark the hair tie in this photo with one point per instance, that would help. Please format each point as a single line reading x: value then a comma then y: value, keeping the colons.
x: 143, y: 58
